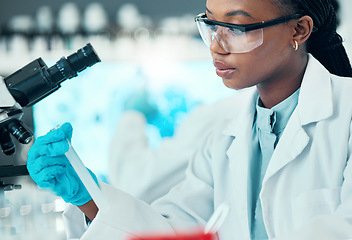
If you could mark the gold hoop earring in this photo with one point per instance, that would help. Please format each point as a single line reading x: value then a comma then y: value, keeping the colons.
x: 295, y: 47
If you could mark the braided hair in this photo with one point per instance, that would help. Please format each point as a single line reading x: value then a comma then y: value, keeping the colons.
x: 325, y: 44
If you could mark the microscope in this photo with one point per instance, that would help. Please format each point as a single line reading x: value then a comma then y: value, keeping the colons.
x: 24, y: 88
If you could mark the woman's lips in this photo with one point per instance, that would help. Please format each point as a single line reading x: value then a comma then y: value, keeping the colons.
x: 223, y: 70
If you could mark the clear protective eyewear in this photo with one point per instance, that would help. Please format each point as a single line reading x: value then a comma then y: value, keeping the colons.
x: 236, y: 38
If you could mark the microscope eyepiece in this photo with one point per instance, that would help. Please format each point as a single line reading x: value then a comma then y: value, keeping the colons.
x: 83, y: 58
x: 35, y: 81
x: 67, y: 68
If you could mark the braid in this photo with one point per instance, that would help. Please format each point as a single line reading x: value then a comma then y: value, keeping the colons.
x: 325, y: 44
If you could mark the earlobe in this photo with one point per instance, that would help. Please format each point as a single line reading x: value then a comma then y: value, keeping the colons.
x: 295, y: 46
x: 303, y: 29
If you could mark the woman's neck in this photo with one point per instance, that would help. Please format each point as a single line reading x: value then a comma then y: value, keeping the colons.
x: 273, y: 92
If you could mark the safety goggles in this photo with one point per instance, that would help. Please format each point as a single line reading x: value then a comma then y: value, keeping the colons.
x: 236, y: 38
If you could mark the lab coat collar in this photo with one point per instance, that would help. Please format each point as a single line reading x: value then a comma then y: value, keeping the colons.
x: 315, y: 101
x: 244, y: 103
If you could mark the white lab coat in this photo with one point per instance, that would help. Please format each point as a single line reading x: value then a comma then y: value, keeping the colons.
x: 306, y: 192
x: 148, y: 173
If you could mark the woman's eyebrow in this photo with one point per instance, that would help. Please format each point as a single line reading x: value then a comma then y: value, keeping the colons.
x: 238, y: 12
x: 233, y: 13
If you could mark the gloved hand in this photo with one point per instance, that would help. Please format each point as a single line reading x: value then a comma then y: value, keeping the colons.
x: 50, y: 169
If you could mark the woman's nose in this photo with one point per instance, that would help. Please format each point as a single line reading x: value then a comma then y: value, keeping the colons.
x: 215, y: 45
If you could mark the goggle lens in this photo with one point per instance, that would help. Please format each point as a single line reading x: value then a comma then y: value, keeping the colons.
x: 230, y: 39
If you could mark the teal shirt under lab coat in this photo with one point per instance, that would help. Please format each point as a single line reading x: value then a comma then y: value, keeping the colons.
x: 268, y: 127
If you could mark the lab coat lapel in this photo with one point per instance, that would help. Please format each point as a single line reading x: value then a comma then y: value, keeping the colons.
x: 238, y: 154
x: 291, y: 144
x: 314, y: 104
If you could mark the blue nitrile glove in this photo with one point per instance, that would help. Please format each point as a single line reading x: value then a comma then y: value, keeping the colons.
x: 50, y: 169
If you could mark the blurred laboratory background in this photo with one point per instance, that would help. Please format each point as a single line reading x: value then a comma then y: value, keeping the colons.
x: 148, y: 46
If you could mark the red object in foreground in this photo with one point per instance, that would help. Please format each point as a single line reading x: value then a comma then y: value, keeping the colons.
x: 189, y: 236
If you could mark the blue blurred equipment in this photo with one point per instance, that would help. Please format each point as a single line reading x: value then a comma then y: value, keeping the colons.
x: 50, y: 169
x: 140, y: 101
x: 164, y: 115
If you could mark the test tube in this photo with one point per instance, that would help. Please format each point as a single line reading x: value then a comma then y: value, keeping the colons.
x: 83, y: 173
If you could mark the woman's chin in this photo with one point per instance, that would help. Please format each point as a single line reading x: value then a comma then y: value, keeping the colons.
x: 232, y: 84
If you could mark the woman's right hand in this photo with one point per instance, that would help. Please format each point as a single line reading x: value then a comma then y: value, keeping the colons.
x: 50, y: 169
